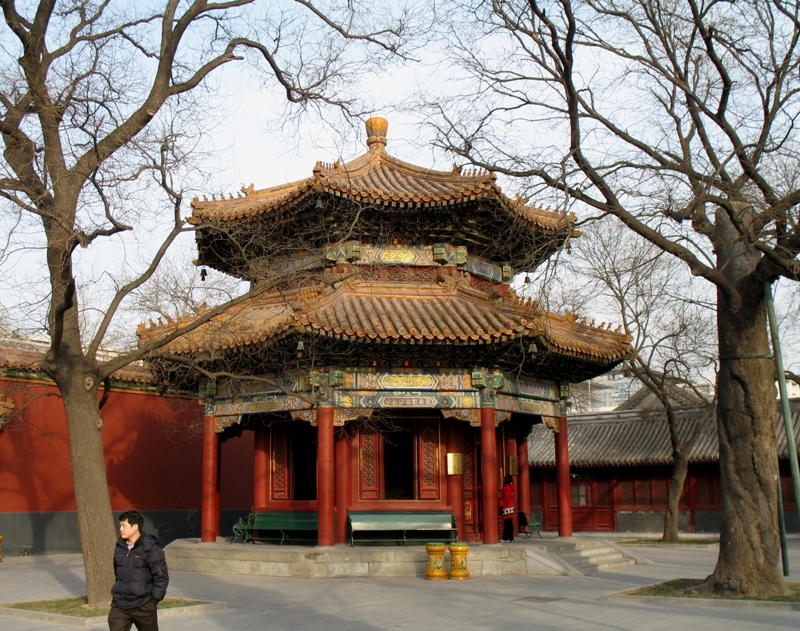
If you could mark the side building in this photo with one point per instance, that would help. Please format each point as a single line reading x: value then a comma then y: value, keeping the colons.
x: 620, y: 469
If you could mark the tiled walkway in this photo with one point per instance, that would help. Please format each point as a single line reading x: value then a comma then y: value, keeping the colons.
x: 504, y: 602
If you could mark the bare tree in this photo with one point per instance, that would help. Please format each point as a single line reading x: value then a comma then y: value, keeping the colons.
x: 101, y: 106
x: 673, y: 329
x: 677, y: 118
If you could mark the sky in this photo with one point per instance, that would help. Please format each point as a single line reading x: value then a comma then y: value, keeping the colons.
x: 252, y: 148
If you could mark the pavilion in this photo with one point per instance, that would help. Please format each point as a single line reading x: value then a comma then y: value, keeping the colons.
x: 385, y: 363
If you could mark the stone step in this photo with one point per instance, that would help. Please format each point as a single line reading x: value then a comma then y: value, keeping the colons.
x: 576, y: 545
x: 578, y: 556
x: 587, y: 552
x: 615, y: 564
x: 592, y: 556
x: 604, y: 561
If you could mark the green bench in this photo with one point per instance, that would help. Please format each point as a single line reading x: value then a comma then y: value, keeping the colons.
x: 277, y: 526
x: 529, y: 525
x: 401, y: 527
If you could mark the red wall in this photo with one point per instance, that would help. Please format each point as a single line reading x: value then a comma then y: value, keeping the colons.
x: 153, y: 447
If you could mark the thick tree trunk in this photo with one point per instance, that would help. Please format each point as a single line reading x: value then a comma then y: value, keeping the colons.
x: 749, y: 544
x: 95, y: 520
x: 77, y: 379
x: 680, y: 466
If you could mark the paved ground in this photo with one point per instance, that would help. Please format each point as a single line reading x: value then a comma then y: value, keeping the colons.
x: 510, y: 603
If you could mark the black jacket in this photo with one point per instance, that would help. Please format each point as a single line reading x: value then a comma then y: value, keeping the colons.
x: 141, y: 573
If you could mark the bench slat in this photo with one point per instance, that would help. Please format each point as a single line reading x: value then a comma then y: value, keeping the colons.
x: 400, y: 526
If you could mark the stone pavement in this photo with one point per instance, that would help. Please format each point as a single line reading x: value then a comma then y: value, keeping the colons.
x: 507, y: 602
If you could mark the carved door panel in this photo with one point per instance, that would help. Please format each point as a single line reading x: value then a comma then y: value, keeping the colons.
x: 369, y: 465
x: 280, y: 482
x: 470, y: 478
x: 428, y: 460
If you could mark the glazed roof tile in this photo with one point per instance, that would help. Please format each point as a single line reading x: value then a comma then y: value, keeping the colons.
x: 379, y: 179
x: 27, y: 360
x: 641, y: 437
x: 386, y: 312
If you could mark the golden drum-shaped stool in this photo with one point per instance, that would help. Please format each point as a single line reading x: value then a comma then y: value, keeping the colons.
x: 458, y: 562
x: 436, y: 570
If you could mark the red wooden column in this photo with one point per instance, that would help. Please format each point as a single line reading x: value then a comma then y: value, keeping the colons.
x: 455, y: 482
x: 260, y: 465
x: 342, y: 465
x: 489, y: 475
x: 325, y: 475
x: 510, y: 449
x: 209, y: 527
x: 562, y: 480
x: 217, y: 491
x: 524, y: 486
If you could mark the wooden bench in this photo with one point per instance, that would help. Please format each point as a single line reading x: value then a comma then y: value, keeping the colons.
x: 401, y: 527
x: 278, y: 526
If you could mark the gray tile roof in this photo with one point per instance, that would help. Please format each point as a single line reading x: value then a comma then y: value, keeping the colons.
x: 638, y: 437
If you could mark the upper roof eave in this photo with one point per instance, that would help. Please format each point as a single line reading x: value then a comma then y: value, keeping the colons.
x: 380, y: 179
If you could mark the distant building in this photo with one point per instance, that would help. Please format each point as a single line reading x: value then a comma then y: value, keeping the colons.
x: 619, y: 389
x: 621, y: 464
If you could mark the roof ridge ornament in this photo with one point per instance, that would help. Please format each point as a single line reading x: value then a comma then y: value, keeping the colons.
x: 376, y: 133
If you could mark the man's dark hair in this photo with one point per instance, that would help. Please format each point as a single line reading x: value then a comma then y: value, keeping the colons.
x: 133, y: 517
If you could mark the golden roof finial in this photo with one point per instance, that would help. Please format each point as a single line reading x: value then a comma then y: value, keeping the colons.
x: 376, y: 133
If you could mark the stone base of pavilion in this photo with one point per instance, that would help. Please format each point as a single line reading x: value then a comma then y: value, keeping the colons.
x: 570, y: 557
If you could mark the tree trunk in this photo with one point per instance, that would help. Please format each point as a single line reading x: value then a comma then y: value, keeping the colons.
x: 680, y: 465
x: 87, y: 461
x: 749, y: 545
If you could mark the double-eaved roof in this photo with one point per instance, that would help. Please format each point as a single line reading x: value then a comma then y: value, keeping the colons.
x: 377, y: 251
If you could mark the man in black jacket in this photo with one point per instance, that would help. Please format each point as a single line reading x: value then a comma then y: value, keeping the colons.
x: 141, y: 572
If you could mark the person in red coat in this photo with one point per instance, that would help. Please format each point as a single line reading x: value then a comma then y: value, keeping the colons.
x: 507, y: 502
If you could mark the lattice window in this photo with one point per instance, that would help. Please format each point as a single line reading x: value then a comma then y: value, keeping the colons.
x: 553, y: 495
x: 704, y: 489
x: 660, y: 487
x: 602, y: 493
x: 279, y: 481
x: 536, y: 494
x: 369, y: 484
x: 626, y: 493
x: 429, y: 487
x: 396, y: 274
x: 469, y: 447
x: 370, y: 273
x: 422, y: 275
x: 581, y: 494
x: 481, y: 284
x: 642, y: 492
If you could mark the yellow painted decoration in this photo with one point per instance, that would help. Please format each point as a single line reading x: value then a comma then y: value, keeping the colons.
x: 407, y: 381
x: 397, y: 256
x: 458, y: 562
x: 436, y: 571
